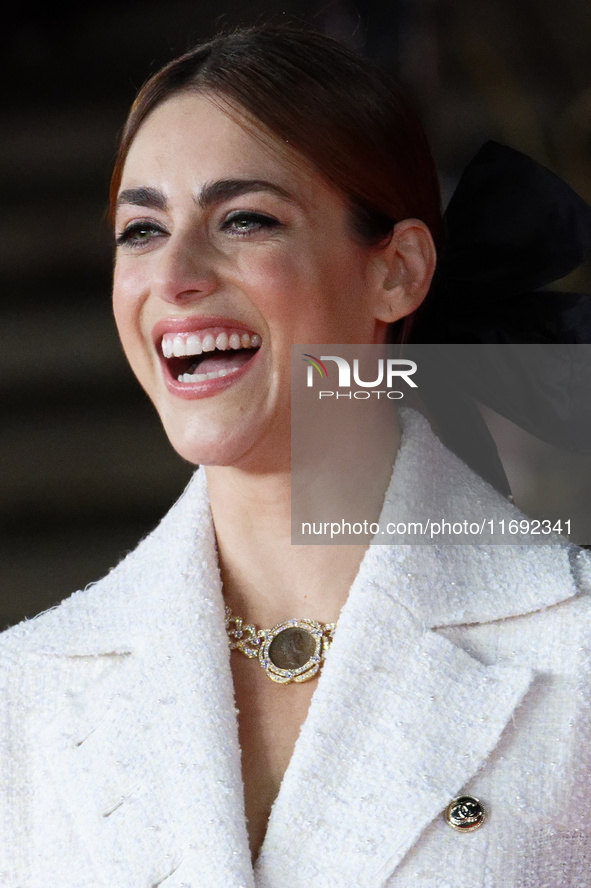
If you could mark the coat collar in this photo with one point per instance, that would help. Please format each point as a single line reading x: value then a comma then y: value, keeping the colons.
x: 173, y: 569
x: 143, y: 747
x: 176, y: 565
x: 402, y: 718
x: 455, y: 584
x: 144, y: 743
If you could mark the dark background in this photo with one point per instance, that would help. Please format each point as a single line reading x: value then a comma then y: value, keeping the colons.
x: 85, y: 469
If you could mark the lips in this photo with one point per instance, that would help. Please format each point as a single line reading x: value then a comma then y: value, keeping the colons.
x: 205, y: 356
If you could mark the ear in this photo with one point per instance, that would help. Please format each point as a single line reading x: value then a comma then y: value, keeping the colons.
x: 404, y: 268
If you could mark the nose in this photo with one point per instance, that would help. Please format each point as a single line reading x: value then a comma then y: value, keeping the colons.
x: 184, y: 270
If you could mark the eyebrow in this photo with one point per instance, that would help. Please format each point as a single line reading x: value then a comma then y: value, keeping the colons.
x: 142, y: 197
x: 210, y: 195
x: 226, y: 189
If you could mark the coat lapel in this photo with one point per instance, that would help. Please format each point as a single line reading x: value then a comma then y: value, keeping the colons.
x: 144, y: 753
x: 400, y: 722
x: 403, y: 718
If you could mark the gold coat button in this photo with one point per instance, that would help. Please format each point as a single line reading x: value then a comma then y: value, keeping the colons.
x: 465, y: 814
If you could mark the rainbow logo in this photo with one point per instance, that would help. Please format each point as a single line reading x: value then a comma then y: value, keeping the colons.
x: 315, y: 362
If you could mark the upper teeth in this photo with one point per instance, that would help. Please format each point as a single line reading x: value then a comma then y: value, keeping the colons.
x: 181, y: 345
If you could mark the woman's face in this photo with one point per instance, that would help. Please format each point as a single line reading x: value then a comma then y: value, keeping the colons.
x: 229, y: 249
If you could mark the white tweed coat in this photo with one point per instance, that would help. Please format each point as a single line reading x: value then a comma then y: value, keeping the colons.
x: 459, y: 670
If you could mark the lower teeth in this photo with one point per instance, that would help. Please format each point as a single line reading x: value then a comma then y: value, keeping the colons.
x: 201, y: 377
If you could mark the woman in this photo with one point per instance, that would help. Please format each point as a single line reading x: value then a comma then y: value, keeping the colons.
x: 272, y: 189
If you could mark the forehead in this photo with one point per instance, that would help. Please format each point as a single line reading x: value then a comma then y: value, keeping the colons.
x: 196, y: 138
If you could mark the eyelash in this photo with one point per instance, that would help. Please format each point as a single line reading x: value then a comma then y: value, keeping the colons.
x: 130, y: 235
x: 256, y: 222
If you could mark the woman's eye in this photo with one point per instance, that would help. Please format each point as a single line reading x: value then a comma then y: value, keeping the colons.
x: 137, y: 234
x: 247, y: 223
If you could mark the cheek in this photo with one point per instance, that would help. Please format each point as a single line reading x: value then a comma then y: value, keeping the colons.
x: 127, y: 305
x: 294, y: 286
x: 125, y: 290
x: 276, y: 283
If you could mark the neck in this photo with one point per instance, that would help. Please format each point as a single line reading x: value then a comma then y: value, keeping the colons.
x: 266, y: 579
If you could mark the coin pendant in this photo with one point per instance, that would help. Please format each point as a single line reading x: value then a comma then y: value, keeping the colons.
x: 292, y: 648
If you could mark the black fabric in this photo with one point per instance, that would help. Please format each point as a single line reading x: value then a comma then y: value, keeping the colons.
x: 512, y: 227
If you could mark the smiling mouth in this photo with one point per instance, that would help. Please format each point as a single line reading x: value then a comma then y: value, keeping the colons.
x: 208, y: 354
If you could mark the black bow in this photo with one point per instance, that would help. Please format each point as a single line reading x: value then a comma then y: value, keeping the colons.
x: 512, y: 227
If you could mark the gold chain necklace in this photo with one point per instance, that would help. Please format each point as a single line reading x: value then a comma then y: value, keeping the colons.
x: 293, y: 651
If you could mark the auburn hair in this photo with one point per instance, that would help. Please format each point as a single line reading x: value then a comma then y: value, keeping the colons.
x: 328, y: 103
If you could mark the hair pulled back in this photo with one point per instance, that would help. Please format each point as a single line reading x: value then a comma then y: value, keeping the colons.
x: 328, y: 103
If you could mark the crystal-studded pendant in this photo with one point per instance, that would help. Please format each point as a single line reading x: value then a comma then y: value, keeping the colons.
x: 292, y: 651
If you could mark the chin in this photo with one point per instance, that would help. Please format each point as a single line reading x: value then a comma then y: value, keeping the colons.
x: 212, y: 444
x: 229, y: 429
x: 200, y: 449
x: 263, y: 455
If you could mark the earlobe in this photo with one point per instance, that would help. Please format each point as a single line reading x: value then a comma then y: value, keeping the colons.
x: 406, y: 265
